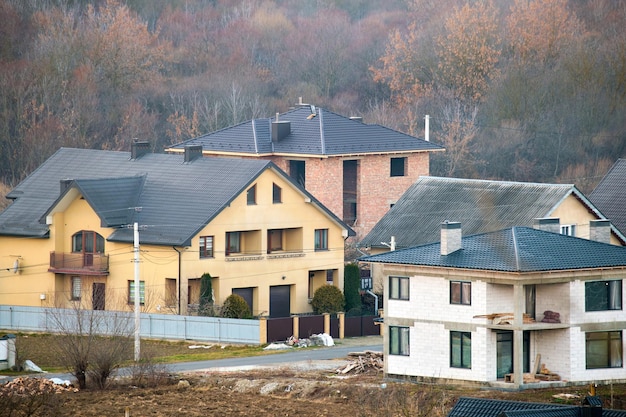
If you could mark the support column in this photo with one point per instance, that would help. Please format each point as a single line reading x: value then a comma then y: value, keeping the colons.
x: 518, y: 334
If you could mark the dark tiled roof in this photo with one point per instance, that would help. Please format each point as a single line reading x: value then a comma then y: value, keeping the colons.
x: 327, y: 133
x: 177, y: 199
x: 480, y: 205
x: 610, y: 195
x: 517, y: 249
x: 481, y: 407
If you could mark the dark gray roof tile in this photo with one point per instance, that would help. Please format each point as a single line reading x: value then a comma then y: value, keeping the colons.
x: 517, y: 249
x: 327, y: 133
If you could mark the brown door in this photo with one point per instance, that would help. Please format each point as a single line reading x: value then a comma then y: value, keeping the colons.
x: 98, y: 296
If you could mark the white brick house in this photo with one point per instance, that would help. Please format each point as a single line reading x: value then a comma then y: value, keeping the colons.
x: 484, y: 308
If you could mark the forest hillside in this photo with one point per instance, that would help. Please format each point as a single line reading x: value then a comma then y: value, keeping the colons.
x: 524, y: 90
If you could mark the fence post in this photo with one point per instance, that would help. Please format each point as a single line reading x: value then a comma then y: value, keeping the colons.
x: 262, y: 330
x: 295, y: 321
x: 342, y: 321
x: 326, y: 323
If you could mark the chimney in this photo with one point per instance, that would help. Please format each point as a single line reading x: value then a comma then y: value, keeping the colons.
x: 451, y: 237
x: 65, y: 184
x: 280, y: 129
x: 547, y: 224
x: 600, y: 230
x: 192, y: 152
x: 427, y: 128
x: 139, y: 149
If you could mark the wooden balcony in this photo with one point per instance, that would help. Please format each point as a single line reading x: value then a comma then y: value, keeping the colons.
x: 79, y: 263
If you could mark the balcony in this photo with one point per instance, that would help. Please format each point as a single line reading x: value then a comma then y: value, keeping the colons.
x: 79, y: 263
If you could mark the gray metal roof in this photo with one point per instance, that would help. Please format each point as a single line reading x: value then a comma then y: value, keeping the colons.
x: 480, y: 205
x: 482, y: 407
x: 610, y: 195
x: 327, y: 133
x: 516, y: 249
x: 177, y: 198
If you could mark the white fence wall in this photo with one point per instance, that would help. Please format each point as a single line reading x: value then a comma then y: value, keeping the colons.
x: 153, y: 326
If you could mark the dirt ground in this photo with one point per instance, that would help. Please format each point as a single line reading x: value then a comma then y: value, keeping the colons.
x: 297, y: 389
x: 277, y: 392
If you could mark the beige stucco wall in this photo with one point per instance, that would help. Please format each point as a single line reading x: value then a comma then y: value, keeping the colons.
x: 159, y: 265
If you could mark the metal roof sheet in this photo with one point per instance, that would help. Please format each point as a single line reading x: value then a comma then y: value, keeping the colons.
x: 610, y: 195
x: 480, y: 205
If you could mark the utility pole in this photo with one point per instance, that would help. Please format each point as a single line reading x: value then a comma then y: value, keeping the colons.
x: 137, y: 292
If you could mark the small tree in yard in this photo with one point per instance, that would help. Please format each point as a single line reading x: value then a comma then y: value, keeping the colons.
x: 205, y: 307
x: 351, y: 285
x: 327, y: 299
x: 235, y: 307
x: 91, y: 343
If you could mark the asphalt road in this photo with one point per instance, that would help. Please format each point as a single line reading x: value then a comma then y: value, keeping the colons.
x: 307, y: 355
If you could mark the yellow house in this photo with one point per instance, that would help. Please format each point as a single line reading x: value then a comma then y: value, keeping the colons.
x: 69, y: 235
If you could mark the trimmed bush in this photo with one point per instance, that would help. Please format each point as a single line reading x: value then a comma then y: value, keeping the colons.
x: 328, y: 299
x: 205, y: 308
x: 235, y: 307
x: 351, y: 285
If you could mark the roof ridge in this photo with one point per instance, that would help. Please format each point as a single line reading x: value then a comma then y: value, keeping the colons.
x: 432, y: 177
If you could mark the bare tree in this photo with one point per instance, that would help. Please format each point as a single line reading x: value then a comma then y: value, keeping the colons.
x: 91, y: 343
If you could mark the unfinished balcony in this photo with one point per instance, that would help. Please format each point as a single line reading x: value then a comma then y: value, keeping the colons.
x: 94, y: 264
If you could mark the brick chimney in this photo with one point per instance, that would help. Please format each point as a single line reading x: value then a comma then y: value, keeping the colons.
x: 548, y: 224
x: 451, y: 237
x: 600, y: 230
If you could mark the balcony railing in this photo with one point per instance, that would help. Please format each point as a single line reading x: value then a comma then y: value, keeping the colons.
x: 80, y: 263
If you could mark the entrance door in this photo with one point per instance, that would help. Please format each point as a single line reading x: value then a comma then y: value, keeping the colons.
x: 504, y: 352
x: 280, y: 301
x: 98, y: 296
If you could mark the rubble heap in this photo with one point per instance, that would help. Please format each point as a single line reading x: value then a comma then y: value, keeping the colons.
x: 363, y: 362
x: 26, y: 387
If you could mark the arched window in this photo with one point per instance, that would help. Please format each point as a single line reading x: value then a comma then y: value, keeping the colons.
x: 87, y: 241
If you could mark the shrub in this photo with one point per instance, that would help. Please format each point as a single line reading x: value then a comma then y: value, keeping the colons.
x: 327, y: 299
x: 351, y: 285
x: 205, y: 308
x: 235, y: 307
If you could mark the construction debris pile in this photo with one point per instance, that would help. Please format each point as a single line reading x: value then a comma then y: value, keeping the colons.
x: 505, y: 318
x: 363, y: 362
x: 26, y: 387
x: 540, y: 373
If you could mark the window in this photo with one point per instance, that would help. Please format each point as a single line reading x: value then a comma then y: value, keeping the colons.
x: 76, y: 288
x: 277, y: 194
x: 251, y: 195
x: 603, y: 350
x: 274, y: 240
x: 398, y: 167
x: 330, y: 276
x: 399, y: 341
x: 233, y: 242
x: 131, y: 292
x: 461, y: 350
x: 603, y: 295
x: 206, y: 246
x: 297, y: 171
x: 568, y: 229
x: 399, y: 288
x: 460, y: 292
x: 321, y: 239
x: 87, y: 242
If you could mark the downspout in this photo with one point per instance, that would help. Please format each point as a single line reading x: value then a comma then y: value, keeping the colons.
x: 375, y: 302
x: 179, y: 274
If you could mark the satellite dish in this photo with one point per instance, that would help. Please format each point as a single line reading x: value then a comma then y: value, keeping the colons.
x: 16, y: 266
